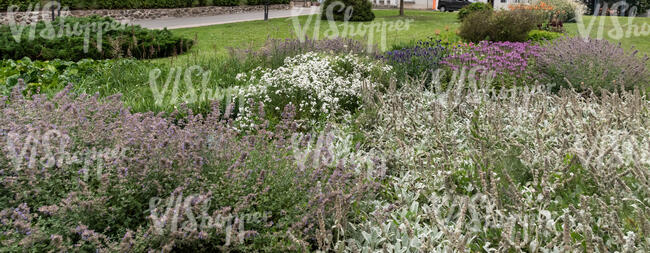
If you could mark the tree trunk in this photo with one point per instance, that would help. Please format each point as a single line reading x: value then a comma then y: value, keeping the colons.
x: 401, y: 7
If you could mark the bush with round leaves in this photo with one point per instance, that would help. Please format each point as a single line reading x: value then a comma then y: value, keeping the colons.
x: 347, y: 10
x: 474, y: 7
x: 499, y: 25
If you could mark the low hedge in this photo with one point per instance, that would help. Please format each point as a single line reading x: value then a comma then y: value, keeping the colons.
x: 22, y: 4
x: 361, y: 10
x: 78, y: 38
x: 225, y: 2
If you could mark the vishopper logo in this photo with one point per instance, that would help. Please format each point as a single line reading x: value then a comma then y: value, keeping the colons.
x: 463, y: 77
x: 333, y: 147
x: 466, y: 79
x: 476, y: 83
x: 189, y: 215
x: 618, y: 32
x: 347, y: 29
x: 179, y: 87
x: 63, y: 27
x: 48, y: 150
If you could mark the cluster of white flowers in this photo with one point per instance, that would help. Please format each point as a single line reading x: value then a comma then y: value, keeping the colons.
x: 319, y: 86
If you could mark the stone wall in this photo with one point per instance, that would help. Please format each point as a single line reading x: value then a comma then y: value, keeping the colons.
x: 132, y: 14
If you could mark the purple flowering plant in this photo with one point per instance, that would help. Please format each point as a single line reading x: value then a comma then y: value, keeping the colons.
x: 417, y: 60
x: 592, y: 64
x: 239, y: 172
x: 506, y: 62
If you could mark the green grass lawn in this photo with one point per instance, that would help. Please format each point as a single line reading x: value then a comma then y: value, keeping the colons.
x: 218, y: 38
x: 610, y: 26
x: 254, y: 33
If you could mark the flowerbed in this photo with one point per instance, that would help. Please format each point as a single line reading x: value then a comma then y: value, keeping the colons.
x: 318, y: 145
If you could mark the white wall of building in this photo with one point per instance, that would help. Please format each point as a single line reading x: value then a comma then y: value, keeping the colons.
x: 409, y: 4
x: 503, y: 4
x: 387, y: 3
x: 418, y: 4
x: 428, y: 4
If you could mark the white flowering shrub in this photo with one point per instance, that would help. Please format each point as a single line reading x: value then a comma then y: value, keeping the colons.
x: 321, y: 87
x: 524, y: 171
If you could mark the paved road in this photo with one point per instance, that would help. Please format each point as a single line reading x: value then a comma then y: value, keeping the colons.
x: 174, y: 23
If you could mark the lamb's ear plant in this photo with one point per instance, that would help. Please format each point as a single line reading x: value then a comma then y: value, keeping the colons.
x: 524, y: 169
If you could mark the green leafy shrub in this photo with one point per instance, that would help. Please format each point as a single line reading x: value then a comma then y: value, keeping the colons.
x: 642, y: 5
x: 89, y: 37
x: 542, y: 36
x: 465, y: 11
x: 513, y: 25
x: 352, y: 10
x: 89, y: 76
x: 44, y: 76
x: 499, y: 26
x: 475, y: 26
x: 22, y: 4
x: 226, y: 2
